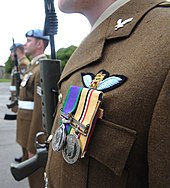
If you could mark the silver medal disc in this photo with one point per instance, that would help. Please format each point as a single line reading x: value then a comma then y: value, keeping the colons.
x: 59, y: 138
x: 71, y: 150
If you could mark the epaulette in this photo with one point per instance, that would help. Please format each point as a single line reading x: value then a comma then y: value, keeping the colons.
x: 165, y: 3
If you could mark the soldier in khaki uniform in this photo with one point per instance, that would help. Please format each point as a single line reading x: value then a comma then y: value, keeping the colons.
x: 29, y: 119
x: 126, y: 56
x: 23, y: 62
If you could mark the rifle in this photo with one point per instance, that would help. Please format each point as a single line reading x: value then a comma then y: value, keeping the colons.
x: 16, y: 76
x: 49, y: 74
x: 29, y: 166
x: 17, y: 80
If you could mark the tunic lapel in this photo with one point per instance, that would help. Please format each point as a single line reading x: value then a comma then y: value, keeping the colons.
x: 89, y: 51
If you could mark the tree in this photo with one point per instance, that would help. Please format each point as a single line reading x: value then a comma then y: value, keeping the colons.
x: 9, y: 65
x: 64, y: 54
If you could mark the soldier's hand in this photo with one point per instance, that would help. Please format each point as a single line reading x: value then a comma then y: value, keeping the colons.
x: 30, y: 155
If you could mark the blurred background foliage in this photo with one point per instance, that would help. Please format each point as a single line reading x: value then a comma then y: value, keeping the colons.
x: 63, y: 54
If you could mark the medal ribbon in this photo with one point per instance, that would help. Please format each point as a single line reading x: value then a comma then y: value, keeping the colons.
x: 71, y: 102
x: 86, y: 114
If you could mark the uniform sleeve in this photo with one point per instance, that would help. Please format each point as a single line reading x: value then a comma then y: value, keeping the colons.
x: 159, y: 140
x: 36, y: 122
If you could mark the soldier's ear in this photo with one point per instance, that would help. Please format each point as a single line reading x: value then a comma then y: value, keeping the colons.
x: 38, y: 43
x: 41, y: 43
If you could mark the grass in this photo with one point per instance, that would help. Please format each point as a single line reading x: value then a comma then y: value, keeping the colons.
x: 5, y: 80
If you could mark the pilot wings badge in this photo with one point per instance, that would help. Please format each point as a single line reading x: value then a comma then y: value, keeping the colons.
x: 102, y: 81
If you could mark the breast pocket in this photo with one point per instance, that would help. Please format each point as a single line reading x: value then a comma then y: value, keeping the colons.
x: 111, y: 145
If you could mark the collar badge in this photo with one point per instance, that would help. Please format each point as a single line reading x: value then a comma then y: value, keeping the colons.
x: 121, y: 23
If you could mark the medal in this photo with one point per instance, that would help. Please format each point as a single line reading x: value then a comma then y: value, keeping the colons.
x: 71, y: 151
x: 59, y: 138
x: 77, y: 121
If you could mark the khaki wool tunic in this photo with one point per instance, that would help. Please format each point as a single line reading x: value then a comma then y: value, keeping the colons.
x: 22, y: 66
x: 130, y: 145
x: 29, y: 122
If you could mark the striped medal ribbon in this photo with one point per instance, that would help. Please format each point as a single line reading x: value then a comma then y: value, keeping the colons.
x: 82, y: 125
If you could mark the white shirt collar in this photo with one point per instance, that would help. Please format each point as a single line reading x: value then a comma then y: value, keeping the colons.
x: 110, y: 10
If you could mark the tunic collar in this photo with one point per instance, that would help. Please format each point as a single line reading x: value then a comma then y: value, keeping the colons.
x: 110, y: 10
x: 35, y: 59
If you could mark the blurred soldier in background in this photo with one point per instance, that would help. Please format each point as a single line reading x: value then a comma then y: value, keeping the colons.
x: 21, y: 67
x: 29, y: 118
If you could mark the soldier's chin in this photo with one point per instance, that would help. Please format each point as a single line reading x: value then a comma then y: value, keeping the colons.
x: 66, y: 6
x: 66, y: 10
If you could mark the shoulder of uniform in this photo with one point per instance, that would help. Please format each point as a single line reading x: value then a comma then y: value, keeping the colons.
x: 165, y: 3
